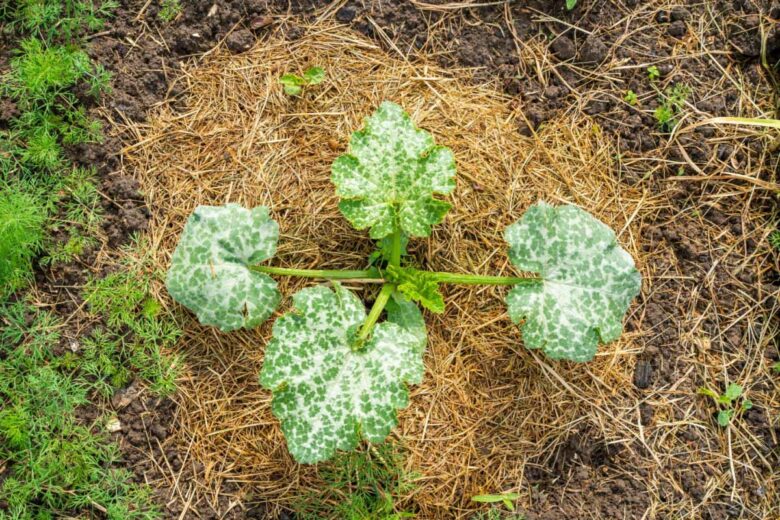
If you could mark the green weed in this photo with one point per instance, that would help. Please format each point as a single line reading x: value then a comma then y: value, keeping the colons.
x: 169, y: 9
x: 56, y: 466
x: 672, y: 104
x: 21, y: 237
x: 140, y: 331
x: 294, y: 84
x: 631, y: 98
x: 727, y: 402
x: 774, y: 239
x: 58, y: 20
x: 360, y: 485
x: 653, y: 73
x: 79, y: 215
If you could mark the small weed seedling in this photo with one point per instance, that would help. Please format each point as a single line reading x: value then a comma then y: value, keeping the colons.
x: 337, y: 374
x: 653, y: 73
x: 631, y: 98
x: 672, y: 103
x: 774, y: 239
x: 169, y: 9
x: 294, y: 84
x: 571, y: 4
x: 360, y: 485
x: 727, y: 402
x: 508, y: 499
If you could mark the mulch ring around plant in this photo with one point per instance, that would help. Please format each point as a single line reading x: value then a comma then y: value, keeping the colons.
x: 624, y: 436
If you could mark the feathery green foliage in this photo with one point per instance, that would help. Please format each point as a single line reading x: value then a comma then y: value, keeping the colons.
x: 59, y: 21
x: 55, y: 465
x: 21, y: 237
x: 45, y: 71
x: 138, y: 333
x: 774, y: 239
x: 169, y: 9
x: 361, y: 485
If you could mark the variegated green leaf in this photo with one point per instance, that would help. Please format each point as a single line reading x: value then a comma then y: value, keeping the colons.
x: 587, y: 281
x: 328, y: 395
x: 209, y: 271
x: 405, y: 313
x: 390, y: 175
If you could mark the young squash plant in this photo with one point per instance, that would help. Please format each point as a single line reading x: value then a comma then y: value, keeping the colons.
x: 337, y: 373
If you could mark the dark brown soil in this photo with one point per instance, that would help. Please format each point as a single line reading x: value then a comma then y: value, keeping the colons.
x: 586, y: 478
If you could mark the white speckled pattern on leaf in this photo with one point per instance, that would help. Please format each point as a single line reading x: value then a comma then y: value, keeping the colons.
x: 390, y: 175
x: 325, y: 394
x: 209, y: 274
x: 588, y: 281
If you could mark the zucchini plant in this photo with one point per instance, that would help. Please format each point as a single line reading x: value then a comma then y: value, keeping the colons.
x: 337, y: 372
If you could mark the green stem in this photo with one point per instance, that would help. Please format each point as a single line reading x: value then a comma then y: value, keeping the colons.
x: 384, y: 294
x: 475, y: 279
x: 395, y: 251
x: 371, y: 275
x: 376, y: 310
x: 374, y: 276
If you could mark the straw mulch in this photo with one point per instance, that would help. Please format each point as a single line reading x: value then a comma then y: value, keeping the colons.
x: 490, y: 415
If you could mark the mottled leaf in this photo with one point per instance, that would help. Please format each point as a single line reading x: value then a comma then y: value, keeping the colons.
x: 402, y: 311
x: 390, y: 175
x: 587, y: 281
x: 209, y: 271
x: 327, y: 394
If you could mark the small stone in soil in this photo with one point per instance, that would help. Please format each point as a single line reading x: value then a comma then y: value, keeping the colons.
x: 240, y: 41
x: 677, y: 29
x: 346, y: 14
x: 680, y: 13
x: 563, y: 48
x: 593, y: 50
x: 260, y: 22
x: 645, y: 414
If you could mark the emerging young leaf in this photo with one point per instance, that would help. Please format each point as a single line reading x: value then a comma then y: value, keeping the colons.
x: 327, y: 394
x: 390, y: 175
x: 732, y: 393
x: 209, y: 271
x: 587, y: 281
x: 314, y: 75
x: 418, y: 286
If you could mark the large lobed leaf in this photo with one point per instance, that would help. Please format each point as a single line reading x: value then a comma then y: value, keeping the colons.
x: 390, y: 175
x: 587, y: 283
x: 209, y: 271
x: 327, y: 394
